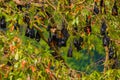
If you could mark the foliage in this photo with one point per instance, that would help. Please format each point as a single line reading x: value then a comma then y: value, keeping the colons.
x: 24, y: 58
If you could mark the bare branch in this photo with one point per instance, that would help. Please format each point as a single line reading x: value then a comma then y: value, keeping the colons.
x: 106, y: 63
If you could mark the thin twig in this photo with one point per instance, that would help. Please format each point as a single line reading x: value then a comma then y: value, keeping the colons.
x: 50, y: 4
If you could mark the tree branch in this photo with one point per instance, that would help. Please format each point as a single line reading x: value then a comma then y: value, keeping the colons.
x: 106, y: 63
x: 57, y: 52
